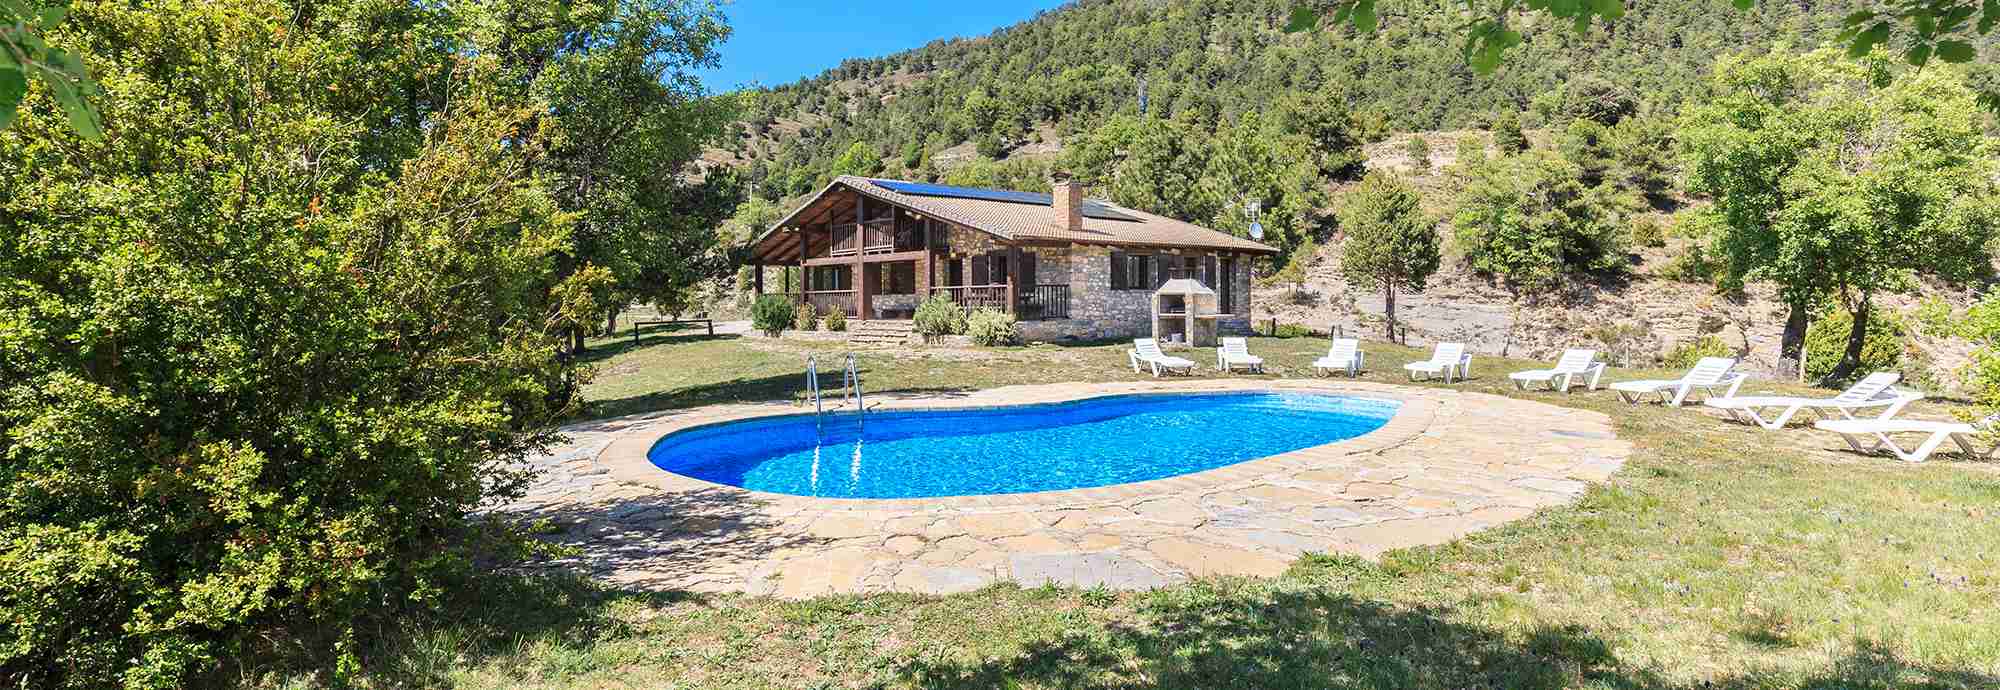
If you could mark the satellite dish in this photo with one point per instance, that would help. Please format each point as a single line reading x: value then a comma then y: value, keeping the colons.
x: 1256, y: 230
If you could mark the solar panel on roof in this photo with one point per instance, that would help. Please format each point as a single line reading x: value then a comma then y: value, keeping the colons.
x: 1090, y: 208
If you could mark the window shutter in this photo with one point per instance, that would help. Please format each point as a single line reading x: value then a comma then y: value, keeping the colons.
x: 1209, y: 275
x: 1162, y: 269
x: 1118, y: 270
x: 979, y: 270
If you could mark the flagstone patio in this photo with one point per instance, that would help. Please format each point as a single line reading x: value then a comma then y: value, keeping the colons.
x: 1449, y: 463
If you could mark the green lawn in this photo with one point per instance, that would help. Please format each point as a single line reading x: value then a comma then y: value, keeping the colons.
x: 1722, y: 556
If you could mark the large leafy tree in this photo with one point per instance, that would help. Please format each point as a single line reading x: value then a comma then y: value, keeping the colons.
x: 1388, y: 243
x: 625, y: 126
x: 267, y: 344
x: 1836, y: 180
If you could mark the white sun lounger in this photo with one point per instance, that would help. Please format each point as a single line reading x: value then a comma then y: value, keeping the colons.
x: 1873, y: 391
x: 1574, y: 363
x: 1709, y: 375
x: 1147, y: 350
x: 1856, y: 431
x: 1449, y: 358
x: 1344, y: 355
x: 1235, y: 352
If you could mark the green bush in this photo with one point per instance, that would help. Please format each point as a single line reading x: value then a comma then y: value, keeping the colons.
x: 938, y: 316
x: 1292, y: 330
x: 1646, y: 231
x: 772, y: 314
x: 1934, y: 317
x: 836, y: 320
x: 1507, y: 135
x: 991, y: 327
x: 1826, y: 342
x: 1686, y: 354
x: 1419, y: 152
x: 805, y: 319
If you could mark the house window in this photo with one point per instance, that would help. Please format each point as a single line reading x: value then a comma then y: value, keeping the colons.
x: 1133, y: 271
x: 830, y: 278
x: 901, y: 279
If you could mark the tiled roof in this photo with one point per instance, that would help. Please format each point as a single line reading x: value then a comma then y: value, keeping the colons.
x: 1028, y: 222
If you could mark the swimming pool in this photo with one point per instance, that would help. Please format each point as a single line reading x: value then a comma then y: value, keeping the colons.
x: 1014, y: 449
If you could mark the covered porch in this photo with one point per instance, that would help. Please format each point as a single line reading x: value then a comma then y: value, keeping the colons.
x: 873, y: 259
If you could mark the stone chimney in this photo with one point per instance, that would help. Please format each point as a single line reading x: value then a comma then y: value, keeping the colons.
x: 1068, y: 201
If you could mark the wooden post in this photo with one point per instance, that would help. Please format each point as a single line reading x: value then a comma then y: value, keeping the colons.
x: 757, y: 277
x: 927, y: 274
x: 860, y: 278
x: 1014, y: 281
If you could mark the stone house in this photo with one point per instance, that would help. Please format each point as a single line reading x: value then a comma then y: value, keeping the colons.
x: 1066, y: 266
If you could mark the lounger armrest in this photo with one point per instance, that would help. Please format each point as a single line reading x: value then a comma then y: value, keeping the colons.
x: 1133, y: 357
x: 1735, y: 382
x: 1596, y: 371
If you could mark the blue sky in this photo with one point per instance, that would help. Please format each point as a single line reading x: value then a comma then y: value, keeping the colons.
x: 780, y: 41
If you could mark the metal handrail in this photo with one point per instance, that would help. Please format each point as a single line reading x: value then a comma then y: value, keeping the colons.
x: 852, y: 381
x: 812, y: 383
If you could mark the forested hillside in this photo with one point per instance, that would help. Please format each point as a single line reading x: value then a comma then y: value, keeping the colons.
x: 1210, y: 62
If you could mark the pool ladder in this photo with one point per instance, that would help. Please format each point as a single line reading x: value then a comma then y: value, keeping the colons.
x: 850, y: 383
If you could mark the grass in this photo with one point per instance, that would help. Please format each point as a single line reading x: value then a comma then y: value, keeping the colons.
x: 1721, y: 557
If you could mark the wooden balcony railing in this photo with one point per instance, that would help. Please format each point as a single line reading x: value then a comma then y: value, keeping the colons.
x: 1043, y: 302
x: 1038, y: 303
x: 974, y: 297
x: 824, y: 301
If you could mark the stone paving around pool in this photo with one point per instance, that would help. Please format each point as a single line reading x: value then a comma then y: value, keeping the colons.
x: 1450, y: 463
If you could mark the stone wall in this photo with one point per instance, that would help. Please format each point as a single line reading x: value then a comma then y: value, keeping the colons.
x: 892, y: 302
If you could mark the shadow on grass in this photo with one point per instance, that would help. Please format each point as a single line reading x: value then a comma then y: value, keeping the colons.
x: 1200, y: 637
x: 790, y: 386
x: 607, y: 349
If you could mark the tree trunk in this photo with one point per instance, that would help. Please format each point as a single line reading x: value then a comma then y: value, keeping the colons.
x: 1389, y: 308
x: 576, y: 340
x: 611, y: 322
x: 1857, y: 337
x: 1792, y: 345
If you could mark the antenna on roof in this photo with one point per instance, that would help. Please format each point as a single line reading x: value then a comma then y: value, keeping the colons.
x: 1256, y: 228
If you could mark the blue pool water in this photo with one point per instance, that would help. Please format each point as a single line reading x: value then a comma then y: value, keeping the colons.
x: 1004, y: 450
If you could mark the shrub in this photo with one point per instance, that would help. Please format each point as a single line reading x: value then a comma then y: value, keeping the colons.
x: 991, y: 327
x: 1646, y: 231
x: 805, y: 319
x: 1934, y: 318
x: 937, y: 316
x: 836, y: 320
x: 1507, y: 135
x: 1686, y: 354
x: 1291, y: 330
x: 1419, y: 152
x: 1471, y: 151
x: 1826, y: 342
x: 772, y: 314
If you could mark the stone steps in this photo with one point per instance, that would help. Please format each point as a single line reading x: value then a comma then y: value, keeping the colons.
x: 880, y: 332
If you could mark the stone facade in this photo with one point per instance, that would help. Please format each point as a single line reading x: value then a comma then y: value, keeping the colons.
x: 1098, y: 312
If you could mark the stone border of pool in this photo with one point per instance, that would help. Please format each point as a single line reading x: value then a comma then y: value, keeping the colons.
x: 628, y: 457
x: 1447, y: 464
